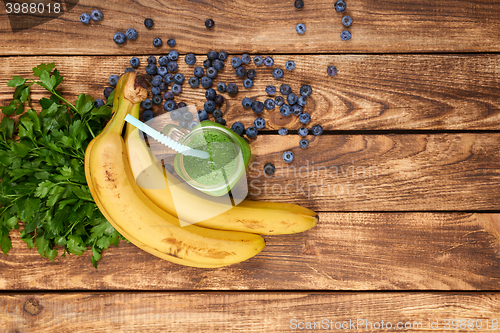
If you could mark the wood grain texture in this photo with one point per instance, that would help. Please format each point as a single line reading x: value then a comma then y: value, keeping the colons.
x: 246, y: 312
x: 389, y: 92
x: 345, y: 251
x: 263, y: 26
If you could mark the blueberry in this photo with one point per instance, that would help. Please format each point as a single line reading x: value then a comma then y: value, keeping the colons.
x: 163, y: 86
x: 135, y: 62
x: 251, y: 74
x: 113, y: 80
x: 108, y: 91
x: 345, y: 35
x: 175, y: 115
x: 302, y: 101
x: 232, y: 89
x: 131, y: 34
x: 340, y: 6
x: 268, y: 61
x: 211, y: 72
x: 222, y: 55
x: 171, y: 42
x: 217, y: 113
x: 210, y: 106
x: 288, y: 156
x: 98, y: 103
x: 283, y: 131
x: 285, y: 110
x: 331, y: 70
x: 148, y: 23
x: 347, y: 21
x: 173, y: 55
x: 303, y: 131
x: 206, y: 82
x: 85, y: 18
x: 210, y: 94
x: 176, y: 88
x: 120, y: 38
x: 235, y: 62
x: 269, y: 169
x: 221, y: 87
x: 269, y: 104
x: 259, y: 123
x: 278, y: 73
x: 168, y: 78
x: 247, y: 83
x: 300, y: 28
x: 198, y: 72
x: 151, y: 60
x: 192, y: 125
x: 190, y: 59
x: 296, y: 110
x: 258, y: 107
x: 291, y: 99
x: 96, y: 15
x: 271, y: 90
x: 207, y: 63
x: 303, y: 143
x: 162, y: 70
x: 157, y: 99
x: 188, y: 116
x: 129, y: 69
x: 305, y: 118
x: 251, y: 132
x: 157, y: 42
x: 155, y: 90
x: 147, y: 104
x: 181, y: 105
x: 218, y: 64
x: 212, y: 55
x: 247, y: 102
x: 209, y: 23
x: 221, y: 121
x: 219, y: 99
x: 202, y: 115
x: 179, y: 78
x: 279, y: 100
x: 299, y: 4
x: 245, y: 58
x: 183, y: 123
x: 157, y: 79
x: 194, y: 82
x: 285, y: 89
x: 241, y: 71
x: 151, y: 69
x: 172, y: 67
x: 290, y: 65
x: 257, y: 60
x: 169, y: 106
x: 163, y: 61
x: 147, y: 115
x: 238, y: 128
x: 168, y: 96
x: 317, y: 130
x: 306, y: 90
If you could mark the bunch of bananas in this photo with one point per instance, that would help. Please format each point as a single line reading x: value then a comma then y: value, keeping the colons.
x: 148, y: 218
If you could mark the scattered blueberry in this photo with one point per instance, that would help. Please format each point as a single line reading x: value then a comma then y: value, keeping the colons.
x: 283, y: 131
x: 157, y: 79
x: 168, y: 78
x: 247, y: 102
x: 98, y: 103
x: 202, y: 115
x: 120, y: 38
x: 181, y: 105
x: 96, y: 15
x: 279, y: 100
x: 168, y: 96
x: 247, y: 83
x: 302, y: 101
x: 238, y: 128
x: 269, y: 169
x: 148, y: 23
x: 218, y: 64
x: 157, y: 99
x: 212, y: 55
x: 198, y: 72
x: 192, y: 125
x: 345, y: 35
x: 155, y: 90
x: 257, y: 60
x: 251, y: 132
x: 151, y: 69
x: 176, y: 88
x: 269, y: 104
x: 290, y: 65
x: 347, y: 21
x: 305, y: 118
x: 183, y: 123
x: 113, y: 80
x: 268, y: 61
x: 278, y: 73
x: 157, y: 42
x: 303, y: 131
x: 285, y: 89
x: 210, y: 106
x: 221, y: 87
x: 232, y: 89
x: 85, y: 18
x: 221, y: 121
x: 300, y: 28
x: 147, y: 104
x: 340, y: 6
x: 259, y: 123
x: 209, y: 23
x: 317, y: 130
x: 251, y: 74
x: 163, y: 86
x: 245, y: 58
x: 210, y: 94
x: 187, y: 116
x: 163, y: 61
x: 288, y: 156
x: 331, y: 70
x: 296, y: 110
x: 135, y: 62
x: 306, y: 90
x: 304, y: 143
x: 171, y: 42
x: 173, y: 55
x: 257, y: 107
x: 151, y: 60
x: 131, y: 34
x: 235, y: 62
x: 299, y: 4
x: 190, y: 59
x: 169, y: 106
x: 270, y: 90
x: 211, y: 72
x: 219, y: 99
x: 175, y: 115
x: 179, y: 78
x: 194, y: 82
x: 285, y: 110
x: 172, y: 66
x: 147, y: 115
x: 207, y: 63
x: 222, y: 55
x: 108, y: 91
x: 217, y: 113
x: 162, y: 70
x: 291, y: 99
x: 206, y: 82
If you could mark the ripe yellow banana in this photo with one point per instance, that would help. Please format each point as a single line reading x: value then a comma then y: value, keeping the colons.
x: 266, y: 218
x: 140, y: 220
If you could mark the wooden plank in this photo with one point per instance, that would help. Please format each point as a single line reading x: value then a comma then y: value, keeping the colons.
x: 345, y: 251
x: 266, y: 27
x: 248, y: 312
x: 390, y: 92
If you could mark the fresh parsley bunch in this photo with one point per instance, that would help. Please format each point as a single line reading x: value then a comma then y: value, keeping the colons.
x: 42, y: 171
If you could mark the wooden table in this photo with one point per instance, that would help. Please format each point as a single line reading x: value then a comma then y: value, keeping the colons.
x: 416, y: 99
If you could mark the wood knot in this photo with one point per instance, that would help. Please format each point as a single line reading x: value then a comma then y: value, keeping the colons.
x: 32, y: 306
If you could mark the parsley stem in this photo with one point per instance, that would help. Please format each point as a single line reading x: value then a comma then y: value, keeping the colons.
x: 90, y: 130
x: 64, y: 100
